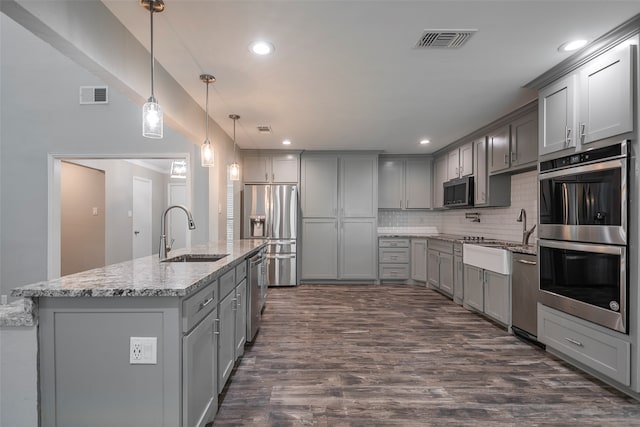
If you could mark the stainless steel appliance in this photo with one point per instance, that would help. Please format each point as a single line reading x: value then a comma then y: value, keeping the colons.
x: 459, y: 192
x: 583, y: 197
x: 585, y: 280
x: 271, y: 212
x: 583, y: 245
x: 254, y: 295
x: 524, y: 296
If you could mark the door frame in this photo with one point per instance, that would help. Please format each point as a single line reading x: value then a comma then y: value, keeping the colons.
x: 148, y: 182
x: 53, y: 194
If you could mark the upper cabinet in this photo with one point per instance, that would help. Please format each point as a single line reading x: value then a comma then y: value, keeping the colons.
x: 592, y: 104
x: 404, y: 183
x: 499, y: 141
x: 439, y: 178
x: 514, y: 146
x: 271, y: 168
x: 460, y: 161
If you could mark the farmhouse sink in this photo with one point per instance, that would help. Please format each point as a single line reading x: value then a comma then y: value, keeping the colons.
x: 196, y: 258
x: 487, y: 257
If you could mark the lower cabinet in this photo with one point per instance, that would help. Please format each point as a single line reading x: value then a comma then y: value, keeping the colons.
x: 393, y: 258
x: 419, y: 260
x: 597, y: 348
x: 440, y: 265
x: 226, y: 338
x: 458, y: 274
x: 241, y: 318
x: 488, y: 292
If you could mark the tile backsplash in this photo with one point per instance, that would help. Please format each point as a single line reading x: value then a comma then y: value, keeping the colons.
x: 495, y: 223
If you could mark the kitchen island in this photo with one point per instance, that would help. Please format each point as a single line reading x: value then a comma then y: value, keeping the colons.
x: 136, y: 343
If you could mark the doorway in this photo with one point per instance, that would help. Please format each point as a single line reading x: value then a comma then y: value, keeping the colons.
x: 142, y: 217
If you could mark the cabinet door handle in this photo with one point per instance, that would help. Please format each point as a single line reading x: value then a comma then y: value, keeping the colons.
x: 235, y: 304
x: 514, y: 156
x: 583, y: 127
x: 266, y: 176
x: 506, y: 159
x: 216, y: 327
x: 239, y: 300
x: 572, y: 341
x: 273, y: 177
x: 567, y: 139
x: 205, y: 303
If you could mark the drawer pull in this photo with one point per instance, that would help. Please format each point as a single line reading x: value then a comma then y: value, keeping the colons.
x: 205, y: 303
x: 524, y: 261
x: 572, y: 341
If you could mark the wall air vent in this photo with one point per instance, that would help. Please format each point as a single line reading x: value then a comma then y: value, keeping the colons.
x: 94, y: 95
x: 444, y: 39
x: 264, y: 129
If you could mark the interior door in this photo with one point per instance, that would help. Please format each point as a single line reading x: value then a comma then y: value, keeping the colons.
x: 141, y: 221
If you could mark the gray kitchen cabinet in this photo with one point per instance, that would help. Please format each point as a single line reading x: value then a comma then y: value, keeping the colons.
x: 524, y: 142
x: 499, y: 141
x: 319, y: 186
x: 339, y: 208
x: 404, y: 183
x: 319, y: 248
x: 440, y: 265
x: 226, y: 338
x: 199, y: 363
x: 271, y: 168
x: 556, y: 115
x: 419, y: 260
x: 439, y: 178
x: 460, y: 161
x: 458, y: 274
x: 488, y: 292
x: 605, y: 96
x: 393, y: 258
x: 358, y: 248
x: 241, y: 318
x: 494, y: 190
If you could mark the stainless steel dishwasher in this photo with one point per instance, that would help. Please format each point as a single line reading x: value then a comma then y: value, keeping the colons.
x: 254, y: 296
x: 524, y: 296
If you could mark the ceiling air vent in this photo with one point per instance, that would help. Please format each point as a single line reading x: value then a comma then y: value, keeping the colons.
x: 264, y: 129
x: 446, y: 39
x: 94, y: 95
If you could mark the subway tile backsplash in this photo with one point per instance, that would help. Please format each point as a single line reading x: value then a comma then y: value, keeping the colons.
x: 495, y: 223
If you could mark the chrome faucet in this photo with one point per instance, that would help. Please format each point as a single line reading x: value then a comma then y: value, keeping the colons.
x: 164, y: 246
x: 525, y: 233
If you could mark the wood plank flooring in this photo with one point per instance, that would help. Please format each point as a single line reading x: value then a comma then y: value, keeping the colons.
x: 336, y: 355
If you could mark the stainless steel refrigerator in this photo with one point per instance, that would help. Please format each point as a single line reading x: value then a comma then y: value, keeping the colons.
x: 271, y: 212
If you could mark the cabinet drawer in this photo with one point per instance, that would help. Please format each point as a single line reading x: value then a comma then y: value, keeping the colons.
x: 441, y: 246
x: 394, y: 271
x: 227, y: 283
x: 393, y: 243
x: 604, y: 353
x: 197, y: 306
x: 393, y: 255
x: 241, y: 271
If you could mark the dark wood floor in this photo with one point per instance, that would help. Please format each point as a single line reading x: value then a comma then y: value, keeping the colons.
x: 403, y: 356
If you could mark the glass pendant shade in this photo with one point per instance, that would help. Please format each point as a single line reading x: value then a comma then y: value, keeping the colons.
x: 206, y: 154
x: 234, y: 171
x: 152, y: 121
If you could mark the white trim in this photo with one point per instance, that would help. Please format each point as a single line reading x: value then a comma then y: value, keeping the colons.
x: 53, y: 195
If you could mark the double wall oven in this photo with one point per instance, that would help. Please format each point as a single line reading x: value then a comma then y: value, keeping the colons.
x: 582, y: 253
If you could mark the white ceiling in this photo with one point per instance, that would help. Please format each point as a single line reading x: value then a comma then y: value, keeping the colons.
x: 345, y: 74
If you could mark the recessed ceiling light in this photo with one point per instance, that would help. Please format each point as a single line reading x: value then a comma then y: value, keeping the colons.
x: 572, y: 45
x: 286, y: 142
x: 424, y: 141
x: 261, y: 47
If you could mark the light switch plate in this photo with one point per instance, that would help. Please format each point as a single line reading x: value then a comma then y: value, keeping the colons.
x: 143, y: 350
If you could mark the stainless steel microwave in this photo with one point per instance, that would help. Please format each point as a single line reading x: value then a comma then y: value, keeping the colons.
x: 458, y: 193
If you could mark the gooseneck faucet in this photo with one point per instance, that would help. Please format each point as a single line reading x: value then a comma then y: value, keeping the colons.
x: 525, y: 233
x: 164, y: 246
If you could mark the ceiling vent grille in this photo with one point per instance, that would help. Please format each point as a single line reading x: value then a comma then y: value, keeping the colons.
x: 264, y: 129
x: 94, y: 95
x: 444, y: 39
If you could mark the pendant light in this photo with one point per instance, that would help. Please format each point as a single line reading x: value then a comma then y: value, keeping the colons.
x: 206, y: 149
x: 152, y: 123
x: 234, y: 168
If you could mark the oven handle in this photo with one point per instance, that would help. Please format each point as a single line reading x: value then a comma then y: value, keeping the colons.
x: 565, y: 203
x: 593, y: 167
x: 584, y: 247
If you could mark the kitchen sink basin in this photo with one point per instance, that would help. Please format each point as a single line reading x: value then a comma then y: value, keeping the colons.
x: 490, y: 258
x: 196, y: 258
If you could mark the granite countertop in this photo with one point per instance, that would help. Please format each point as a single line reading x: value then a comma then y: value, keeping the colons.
x: 145, y: 276
x: 18, y: 313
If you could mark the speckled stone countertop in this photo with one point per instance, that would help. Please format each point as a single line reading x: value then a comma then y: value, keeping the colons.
x: 147, y: 276
x: 18, y: 313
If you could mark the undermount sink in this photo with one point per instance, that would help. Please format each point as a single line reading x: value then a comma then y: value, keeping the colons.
x: 487, y: 257
x: 196, y: 258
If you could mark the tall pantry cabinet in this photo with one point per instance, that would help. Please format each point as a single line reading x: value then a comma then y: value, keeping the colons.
x: 339, y: 199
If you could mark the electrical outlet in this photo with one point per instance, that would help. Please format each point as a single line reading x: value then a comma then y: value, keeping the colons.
x: 143, y: 350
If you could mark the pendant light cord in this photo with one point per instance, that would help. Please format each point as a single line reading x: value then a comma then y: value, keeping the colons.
x: 151, y: 6
x: 234, y: 140
x: 206, y: 114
